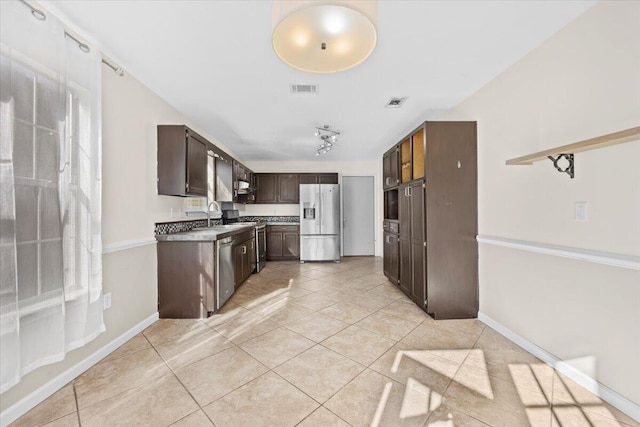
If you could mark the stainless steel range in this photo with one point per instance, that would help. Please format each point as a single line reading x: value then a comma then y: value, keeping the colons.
x: 261, y: 247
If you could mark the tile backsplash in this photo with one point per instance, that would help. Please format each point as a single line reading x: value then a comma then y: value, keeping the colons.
x: 183, y: 225
x: 270, y: 218
x: 170, y: 227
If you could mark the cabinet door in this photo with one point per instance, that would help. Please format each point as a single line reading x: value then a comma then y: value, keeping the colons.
x: 196, y: 166
x: 251, y: 256
x: 308, y: 179
x: 386, y: 171
x: 288, y: 188
x: 329, y: 178
x: 291, y: 242
x: 406, y: 272
x: 404, y: 256
x: 394, y: 259
x: 417, y: 153
x: 266, y: 188
x: 385, y: 254
x: 274, y: 245
x: 390, y: 261
x: 238, y: 263
x: 404, y: 213
x: 416, y: 196
x: 394, y: 167
x: 405, y: 161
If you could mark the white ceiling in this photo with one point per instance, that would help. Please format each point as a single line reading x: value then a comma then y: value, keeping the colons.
x: 213, y: 61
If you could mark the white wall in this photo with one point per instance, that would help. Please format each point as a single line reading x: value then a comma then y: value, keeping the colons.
x: 581, y: 83
x: 130, y: 207
x: 360, y: 168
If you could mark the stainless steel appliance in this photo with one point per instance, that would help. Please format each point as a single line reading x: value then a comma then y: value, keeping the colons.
x: 319, y: 222
x: 232, y: 216
x: 261, y: 247
x: 224, y: 271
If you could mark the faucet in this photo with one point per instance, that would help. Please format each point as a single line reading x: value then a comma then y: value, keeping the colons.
x: 209, y: 211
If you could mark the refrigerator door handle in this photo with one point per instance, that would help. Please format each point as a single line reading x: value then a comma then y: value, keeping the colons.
x: 321, y: 210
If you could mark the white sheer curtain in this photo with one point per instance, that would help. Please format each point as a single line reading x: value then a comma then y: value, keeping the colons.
x: 50, y: 192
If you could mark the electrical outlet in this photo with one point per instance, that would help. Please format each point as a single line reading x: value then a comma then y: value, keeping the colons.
x: 580, y: 212
x: 107, y: 301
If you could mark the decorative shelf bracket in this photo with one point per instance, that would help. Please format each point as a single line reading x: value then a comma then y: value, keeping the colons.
x: 557, y: 154
x: 569, y: 169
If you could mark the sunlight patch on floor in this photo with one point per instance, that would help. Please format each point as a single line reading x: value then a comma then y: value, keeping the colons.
x: 381, y: 405
x: 418, y: 400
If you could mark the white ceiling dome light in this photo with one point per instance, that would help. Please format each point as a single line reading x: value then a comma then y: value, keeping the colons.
x: 324, y: 37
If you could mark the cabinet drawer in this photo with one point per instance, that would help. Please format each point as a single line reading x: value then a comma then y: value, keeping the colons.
x: 293, y: 228
x: 241, y: 238
x: 391, y: 227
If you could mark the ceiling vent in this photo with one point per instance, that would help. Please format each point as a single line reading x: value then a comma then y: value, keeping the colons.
x: 395, y: 102
x: 304, y: 88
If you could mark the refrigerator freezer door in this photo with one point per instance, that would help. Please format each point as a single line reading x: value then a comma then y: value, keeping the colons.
x: 310, y: 209
x: 330, y: 204
x: 320, y: 248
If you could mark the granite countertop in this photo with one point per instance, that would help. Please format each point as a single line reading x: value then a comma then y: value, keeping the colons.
x: 213, y: 233
x: 282, y: 223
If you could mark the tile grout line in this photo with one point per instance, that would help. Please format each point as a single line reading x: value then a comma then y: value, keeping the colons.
x: 183, y: 386
x: 75, y: 396
x: 458, y: 370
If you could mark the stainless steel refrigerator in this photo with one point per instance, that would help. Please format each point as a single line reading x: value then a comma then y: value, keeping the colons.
x: 319, y: 222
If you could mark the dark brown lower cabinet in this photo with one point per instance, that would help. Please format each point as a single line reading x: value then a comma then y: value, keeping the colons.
x: 244, y: 257
x: 391, y: 260
x: 283, y: 242
x: 186, y: 272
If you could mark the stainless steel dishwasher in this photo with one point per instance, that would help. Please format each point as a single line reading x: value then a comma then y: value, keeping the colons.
x: 224, y: 271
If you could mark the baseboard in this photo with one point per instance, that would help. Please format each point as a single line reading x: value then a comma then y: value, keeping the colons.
x: 21, y: 407
x: 605, y: 393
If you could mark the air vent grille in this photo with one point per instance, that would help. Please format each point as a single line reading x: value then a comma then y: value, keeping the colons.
x: 395, y: 102
x: 304, y: 88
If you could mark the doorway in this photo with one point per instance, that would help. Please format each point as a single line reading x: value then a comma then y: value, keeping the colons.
x: 358, y: 208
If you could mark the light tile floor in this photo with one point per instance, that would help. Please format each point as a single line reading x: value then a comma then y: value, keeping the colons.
x: 321, y: 345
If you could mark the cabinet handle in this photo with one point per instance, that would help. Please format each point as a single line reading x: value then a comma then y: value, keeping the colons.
x: 387, y: 181
x: 187, y: 186
x: 409, y: 191
x: 244, y: 250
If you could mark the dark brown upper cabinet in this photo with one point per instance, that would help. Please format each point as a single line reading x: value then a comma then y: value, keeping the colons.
x: 390, y: 168
x: 285, y: 187
x: 288, y: 188
x: 318, y: 178
x: 182, y: 162
x: 412, y: 156
x: 266, y: 188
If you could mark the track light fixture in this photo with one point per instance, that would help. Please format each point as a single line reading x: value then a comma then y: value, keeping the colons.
x: 329, y: 138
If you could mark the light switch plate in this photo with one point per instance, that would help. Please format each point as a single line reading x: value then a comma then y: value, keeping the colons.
x: 580, y: 212
x: 107, y: 301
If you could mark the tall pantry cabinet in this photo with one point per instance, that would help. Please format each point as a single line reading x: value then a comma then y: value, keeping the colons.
x: 434, y: 202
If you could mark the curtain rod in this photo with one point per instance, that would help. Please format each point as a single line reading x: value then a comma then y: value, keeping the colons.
x: 40, y: 15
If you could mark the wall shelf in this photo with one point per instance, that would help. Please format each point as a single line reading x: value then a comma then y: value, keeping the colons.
x: 567, y: 151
